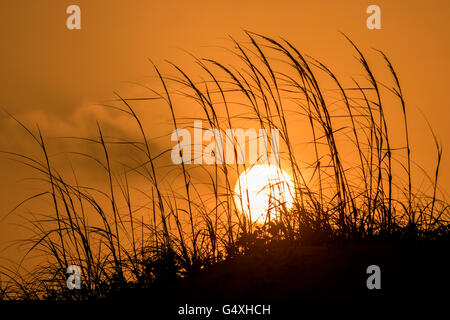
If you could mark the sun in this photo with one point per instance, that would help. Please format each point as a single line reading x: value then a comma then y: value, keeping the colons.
x: 263, y: 190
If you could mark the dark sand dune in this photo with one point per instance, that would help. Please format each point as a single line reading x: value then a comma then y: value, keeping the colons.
x: 413, y: 272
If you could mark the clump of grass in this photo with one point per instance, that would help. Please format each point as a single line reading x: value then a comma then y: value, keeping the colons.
x: 120, y: 245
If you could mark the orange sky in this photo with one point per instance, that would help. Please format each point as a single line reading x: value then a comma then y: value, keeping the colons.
x: 49, y: 73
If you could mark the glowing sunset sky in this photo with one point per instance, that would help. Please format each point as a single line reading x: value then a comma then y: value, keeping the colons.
x: 51, y: 75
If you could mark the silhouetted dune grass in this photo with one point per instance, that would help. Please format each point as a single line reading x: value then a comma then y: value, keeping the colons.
x: 181, y: 234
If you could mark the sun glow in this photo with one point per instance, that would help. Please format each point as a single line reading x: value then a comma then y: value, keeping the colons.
x: 263, y: 190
